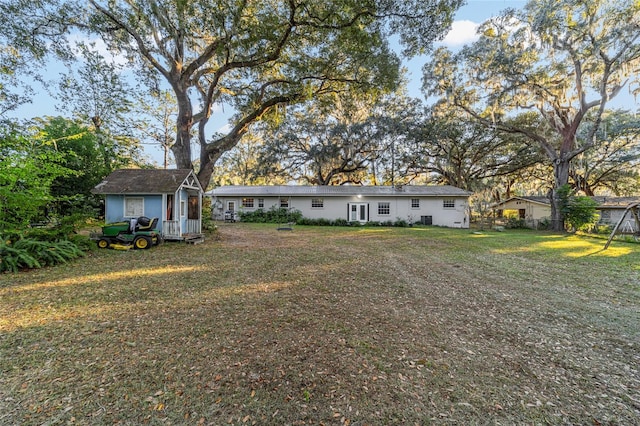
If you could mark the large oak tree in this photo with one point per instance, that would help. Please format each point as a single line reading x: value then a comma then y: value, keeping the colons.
x: 253, y: 56
x: 563, y: 59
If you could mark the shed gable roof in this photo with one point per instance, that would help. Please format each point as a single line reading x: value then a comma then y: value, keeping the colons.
x: 146, y: 181
x: 339, y: 191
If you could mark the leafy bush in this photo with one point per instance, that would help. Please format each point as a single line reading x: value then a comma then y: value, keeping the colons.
x: 32, y: 253
x: 543, y: 224
x: 515, y: 223
x: 401, y: 223
x: 273, y: 215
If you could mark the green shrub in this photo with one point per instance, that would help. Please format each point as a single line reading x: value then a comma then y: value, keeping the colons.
x: 515, y: 223
x: 401, y: 223
x: 273, y: 215
x: 29, y: 253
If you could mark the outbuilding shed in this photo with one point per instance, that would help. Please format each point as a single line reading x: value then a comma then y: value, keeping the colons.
x: 173, y: 196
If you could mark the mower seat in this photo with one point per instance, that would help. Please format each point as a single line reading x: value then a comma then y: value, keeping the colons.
x: 146, y: 224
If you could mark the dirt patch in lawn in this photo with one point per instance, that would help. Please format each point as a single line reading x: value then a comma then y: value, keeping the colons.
x: 326, y: 326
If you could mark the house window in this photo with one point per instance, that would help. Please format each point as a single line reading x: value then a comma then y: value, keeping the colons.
x: 284, y: 203
x: 415, y: 203
x: 317, y: 203
x: 605, y: 216
x: 260, y: 203
x: 133, y: 206
x: 449, y: 204
x: 384, y: 209
x: 247, y: 202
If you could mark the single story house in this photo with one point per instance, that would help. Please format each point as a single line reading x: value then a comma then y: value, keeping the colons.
x: 614, y: 209
x: 534, y: 209
x: 173, y: 196
x: 531, y: 209
x: 430, y: 205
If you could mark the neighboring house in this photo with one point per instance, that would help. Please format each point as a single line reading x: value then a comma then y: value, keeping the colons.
x: 534, y: 209
x: 612, y: 210
x: 173, y: 196
x: 430, y: 205
x: 531, y: 209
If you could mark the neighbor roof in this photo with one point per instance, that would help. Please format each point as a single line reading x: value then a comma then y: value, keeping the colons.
x: 537, y: 200
x: 343, y: 190
x: 142, y: 181
x: 603, y: 202
x: 615, y: 202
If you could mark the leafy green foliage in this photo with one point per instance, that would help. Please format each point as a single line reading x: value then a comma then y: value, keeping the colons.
x: 578, y: 212
x: 273, y: 215
x: 28, y: 253
x: 28, y: 168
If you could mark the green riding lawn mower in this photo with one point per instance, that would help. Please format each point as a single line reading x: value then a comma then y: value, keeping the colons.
x: 137, y: 233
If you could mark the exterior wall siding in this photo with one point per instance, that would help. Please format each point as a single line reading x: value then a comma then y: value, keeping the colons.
x: 533, y: 211
x: 400, y: 208
x: 114, y: 207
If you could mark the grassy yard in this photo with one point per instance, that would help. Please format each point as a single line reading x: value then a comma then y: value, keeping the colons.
x: 328, y: 326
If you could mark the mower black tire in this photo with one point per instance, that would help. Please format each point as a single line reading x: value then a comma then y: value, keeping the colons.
x: 142, y: 243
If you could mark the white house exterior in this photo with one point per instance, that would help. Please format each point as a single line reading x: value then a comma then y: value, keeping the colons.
x: 431, y: 205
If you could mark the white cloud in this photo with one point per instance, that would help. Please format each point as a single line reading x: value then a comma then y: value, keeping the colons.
x: 462, y: 32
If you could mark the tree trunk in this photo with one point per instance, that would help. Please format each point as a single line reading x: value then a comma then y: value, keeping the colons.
x: 561, y: 178
x: 182, y: 148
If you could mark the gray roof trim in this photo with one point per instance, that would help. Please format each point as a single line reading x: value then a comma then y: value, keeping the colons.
x: 338, y: 191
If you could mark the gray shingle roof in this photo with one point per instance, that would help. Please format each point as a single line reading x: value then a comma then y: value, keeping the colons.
x: 344, y: 190
x: 142, y: 181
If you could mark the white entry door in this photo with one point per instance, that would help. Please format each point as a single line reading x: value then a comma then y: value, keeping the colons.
x: 358, y: 212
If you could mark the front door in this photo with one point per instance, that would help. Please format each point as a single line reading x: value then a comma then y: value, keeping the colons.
x: 358, y: 212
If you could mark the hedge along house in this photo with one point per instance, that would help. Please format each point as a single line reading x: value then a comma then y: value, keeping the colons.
x: 173, y: 196
x: 429, y: 205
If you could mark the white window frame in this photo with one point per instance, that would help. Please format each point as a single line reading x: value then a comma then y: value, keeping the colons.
x: 260, y: 203
x: 248, y: 202
x: 384, y: 205
x: 317, y: 203
x: 415, y: 203
x: 448, y: 204
x: 130, y: 207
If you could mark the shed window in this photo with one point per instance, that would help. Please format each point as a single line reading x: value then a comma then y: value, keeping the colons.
x: 317, y: 203
x: 260, y: 202
x: 449, y: 204
x: 133, y: 206
x: 415, y: 203
x: 247, y: 202
x: 384, y: 208
x: 284, y: 203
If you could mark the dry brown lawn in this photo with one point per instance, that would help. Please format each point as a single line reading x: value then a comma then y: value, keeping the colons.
x: 327, y: 326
